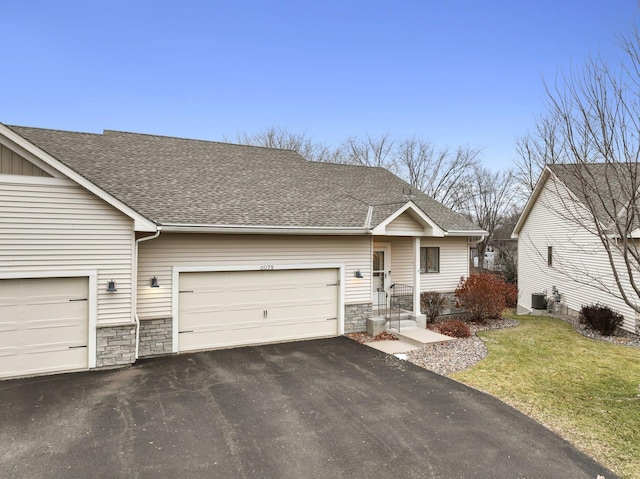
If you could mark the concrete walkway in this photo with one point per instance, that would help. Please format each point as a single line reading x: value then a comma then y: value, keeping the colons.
x: 411, y: 338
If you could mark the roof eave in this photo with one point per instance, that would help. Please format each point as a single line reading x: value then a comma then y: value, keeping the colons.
x: 258, y: 229
x: 466, y: 233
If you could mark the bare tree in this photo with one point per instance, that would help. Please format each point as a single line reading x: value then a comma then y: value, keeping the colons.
x: 300, y: 142
x: 505, y: 247
x: 535, y: 151
x: 369, y: 151
x: 441, y: 173
x: 596, y: 116
x: 489, y: 200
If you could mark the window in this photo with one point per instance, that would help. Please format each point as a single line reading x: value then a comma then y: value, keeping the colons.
x: 429, y: 260
x: 549, y: 255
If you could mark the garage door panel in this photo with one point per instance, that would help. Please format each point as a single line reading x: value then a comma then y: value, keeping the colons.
x: 10, y: 363
x: 53, y: 360
x: 9, y: 339
x: 47, y: 334
x: 54, y: 311
x: 43, y: 325
x: 258, y: 307
x: 195, y: 300
x: 241, y: 314
x: 249, y: 297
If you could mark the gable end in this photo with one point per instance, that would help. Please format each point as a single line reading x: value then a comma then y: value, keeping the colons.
x: 11, y: 163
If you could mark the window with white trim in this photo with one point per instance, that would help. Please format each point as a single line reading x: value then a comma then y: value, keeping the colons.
x: 430, y: 259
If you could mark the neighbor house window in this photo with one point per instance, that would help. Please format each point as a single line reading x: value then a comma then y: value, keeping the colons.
x: 549, y: 255
x: 429, y: 260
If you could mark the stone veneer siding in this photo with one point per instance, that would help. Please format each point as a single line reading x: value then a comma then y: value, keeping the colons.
x: 156, y: 337
x: 450, y: 309
x: 355, y: 317
x: 116, y: 345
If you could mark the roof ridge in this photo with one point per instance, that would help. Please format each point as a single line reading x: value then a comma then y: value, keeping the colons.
x: 57, y: 130
x: 197, y: 140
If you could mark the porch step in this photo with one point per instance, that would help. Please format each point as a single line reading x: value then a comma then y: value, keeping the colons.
x: 404, y: 324
x: 420, y: 337
x: 402, y: 316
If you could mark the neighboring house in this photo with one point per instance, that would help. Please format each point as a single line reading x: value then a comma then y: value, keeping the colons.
x: 559, y: 255
x: 119, y: 245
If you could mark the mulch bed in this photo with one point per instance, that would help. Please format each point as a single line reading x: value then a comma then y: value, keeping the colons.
x: 367, y: 338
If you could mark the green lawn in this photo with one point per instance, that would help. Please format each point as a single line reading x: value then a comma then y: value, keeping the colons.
x: 587, y: 391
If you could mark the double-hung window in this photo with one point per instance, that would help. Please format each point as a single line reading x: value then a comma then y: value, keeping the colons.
x: 430, y: 259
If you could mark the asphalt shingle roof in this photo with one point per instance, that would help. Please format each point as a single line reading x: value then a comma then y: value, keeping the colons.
x: 607, y: 187
x: 182, y: 181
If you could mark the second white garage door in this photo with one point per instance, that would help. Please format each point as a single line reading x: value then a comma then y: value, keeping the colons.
x: 234, y: 308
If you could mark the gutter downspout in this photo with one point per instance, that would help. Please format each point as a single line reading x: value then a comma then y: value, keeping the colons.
x: 134, y: 299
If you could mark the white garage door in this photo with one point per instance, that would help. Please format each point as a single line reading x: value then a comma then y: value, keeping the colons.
x: 43, y: 325
x: 234, y: 308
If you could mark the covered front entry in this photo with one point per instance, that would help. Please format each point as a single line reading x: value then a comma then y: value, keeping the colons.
x: 234, y: 308
x: 44, y: 324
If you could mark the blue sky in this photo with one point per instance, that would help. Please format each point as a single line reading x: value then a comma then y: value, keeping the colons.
x: 461, y: 72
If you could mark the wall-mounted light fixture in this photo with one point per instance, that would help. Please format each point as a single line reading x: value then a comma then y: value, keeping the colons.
x: 111, y: 286
x: 358, y: 274
x: 154, y: 282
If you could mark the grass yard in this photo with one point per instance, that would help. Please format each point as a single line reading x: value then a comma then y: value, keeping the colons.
x: 585, y: 390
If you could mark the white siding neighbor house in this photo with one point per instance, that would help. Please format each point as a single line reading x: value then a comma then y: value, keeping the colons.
x: 560, y: 255
x: 119, y: 245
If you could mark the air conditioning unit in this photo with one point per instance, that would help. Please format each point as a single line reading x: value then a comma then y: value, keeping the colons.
x: 538, y: 301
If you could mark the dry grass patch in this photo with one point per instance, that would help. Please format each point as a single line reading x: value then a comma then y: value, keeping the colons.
x: 587, y: 391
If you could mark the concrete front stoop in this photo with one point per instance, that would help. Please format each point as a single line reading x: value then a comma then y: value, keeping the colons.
x: 411, y: 338
x: 420, y: 337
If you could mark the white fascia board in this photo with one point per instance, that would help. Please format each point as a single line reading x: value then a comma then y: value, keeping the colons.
x: 254, y: 229
x: 409, y: 205
x: 140, y: 222
x: 482, y: 233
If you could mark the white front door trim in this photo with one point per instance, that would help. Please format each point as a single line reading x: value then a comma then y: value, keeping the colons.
x: 175, y: 285
x: 386, y: 248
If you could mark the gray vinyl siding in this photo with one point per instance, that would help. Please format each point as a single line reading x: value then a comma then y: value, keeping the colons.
x: 49, y: 225
x: 158, y: 256
x: 13, y: 164
x: 577, y: 256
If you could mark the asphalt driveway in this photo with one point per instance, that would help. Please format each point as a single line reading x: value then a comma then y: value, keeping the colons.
x: 327, y: 409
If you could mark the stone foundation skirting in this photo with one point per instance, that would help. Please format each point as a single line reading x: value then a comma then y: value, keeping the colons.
x: 115, y: 345
x: 451, y: 308
x: 355, y: 317
x: 156, y: 337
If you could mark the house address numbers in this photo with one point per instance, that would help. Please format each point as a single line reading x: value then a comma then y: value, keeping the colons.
x: 266, y: 267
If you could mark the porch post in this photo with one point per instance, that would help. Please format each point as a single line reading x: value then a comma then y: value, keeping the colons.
x: 416, y: 282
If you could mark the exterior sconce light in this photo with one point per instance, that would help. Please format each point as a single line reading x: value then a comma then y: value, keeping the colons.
x: 154, y: 282
x: 358, y: 274
x: 111, y: 286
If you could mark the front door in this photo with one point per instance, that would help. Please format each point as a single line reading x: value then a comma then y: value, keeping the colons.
x: 380, y: 277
